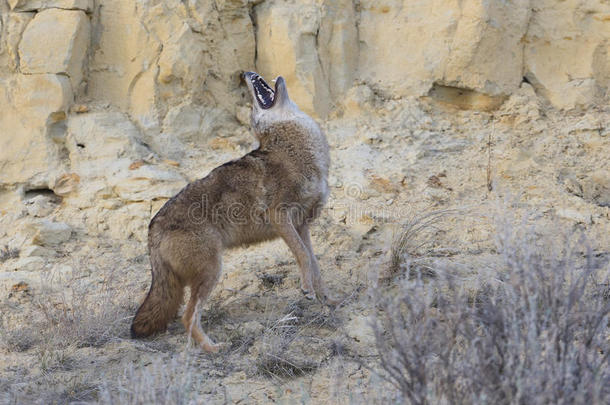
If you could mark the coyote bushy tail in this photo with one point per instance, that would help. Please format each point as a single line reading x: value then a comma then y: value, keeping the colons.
x: 162, y: 302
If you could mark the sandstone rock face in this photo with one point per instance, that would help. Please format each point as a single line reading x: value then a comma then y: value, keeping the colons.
x: 286, y: 41
x: 32, y: 113
x: 56, y: 41
x: 567, y: 51
x: 109, y: 107
x: 486, y: 52
x: 48, y: 233
x: 159, y: 81
x: 177, y: 51
x: 313, y: 46
x: 474, y: 45
x: 33, y: 5
x: 10, y: 38
x: 412, y: 60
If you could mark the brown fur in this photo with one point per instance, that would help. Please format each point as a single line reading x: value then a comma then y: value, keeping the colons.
x: 273, y: 191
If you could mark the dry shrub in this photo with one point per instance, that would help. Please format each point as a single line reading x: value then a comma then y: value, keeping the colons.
x: 84, y: 312
x: 53, y: 386
x: 8, y: 253
x: 535, y: 332
x: 277, y: 360
x: 414, y: 243
x: 69, y: 312
x: 168, y: 382
x: 286, y: 341
x: 17, y: 340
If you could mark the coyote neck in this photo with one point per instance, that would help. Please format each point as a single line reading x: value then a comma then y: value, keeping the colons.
x: 297, y: 142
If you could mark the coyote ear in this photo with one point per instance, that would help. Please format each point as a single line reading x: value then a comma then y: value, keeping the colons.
x: 281, y: 91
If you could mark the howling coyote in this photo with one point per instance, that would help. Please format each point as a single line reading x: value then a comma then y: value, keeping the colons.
x: 275, y: 190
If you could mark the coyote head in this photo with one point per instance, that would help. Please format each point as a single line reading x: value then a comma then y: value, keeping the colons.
x: 269, y: 105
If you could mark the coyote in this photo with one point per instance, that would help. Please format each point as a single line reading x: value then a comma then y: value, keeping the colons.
x: 275, y: 190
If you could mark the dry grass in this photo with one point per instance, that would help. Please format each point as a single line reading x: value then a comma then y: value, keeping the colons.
x: 17, y: 340
x: 70, y: 313
x: 534, y: 331
x: 287, y: 341
x: 414, y: 243
x: 7, y: 253
x: 160, y: 382
x: 84, y: 313
x: 276, y: 359
x: 531, y: 329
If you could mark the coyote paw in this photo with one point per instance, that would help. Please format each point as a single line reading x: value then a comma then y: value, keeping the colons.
x: 310, y: 295
x: 214, y: 347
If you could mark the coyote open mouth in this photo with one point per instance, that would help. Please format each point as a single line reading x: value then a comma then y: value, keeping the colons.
x: 264, y: 94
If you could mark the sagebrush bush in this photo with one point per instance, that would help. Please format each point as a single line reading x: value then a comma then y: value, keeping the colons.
x: 280, y: 358
x: 83, y: 313
x: 167, y: 382
x: 534, y: 331
x: 414, y: 242
x: 7, y: 253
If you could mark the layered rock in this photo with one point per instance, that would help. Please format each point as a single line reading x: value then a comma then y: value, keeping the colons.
x: 94, y: 96
x: 105, y: 152
x: 314, y: 46
x: 56, y: 41
x: 567, y: 51
x: 32, y: 114
x: 34, y: 5
x: 408, y: 46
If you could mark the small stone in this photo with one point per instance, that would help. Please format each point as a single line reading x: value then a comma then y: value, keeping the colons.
x: 66, y: 184
x: 20, y: 286
x: 40, y: 206
x: 574, y: 215
x: 29, y: 264
x: 79, y: 108
x: 359, y: 329
x: 136, y: 165
x: 35, y: 251
x: 49, y: 233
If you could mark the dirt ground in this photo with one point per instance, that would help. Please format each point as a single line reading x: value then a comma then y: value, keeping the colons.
x: 65, y: 327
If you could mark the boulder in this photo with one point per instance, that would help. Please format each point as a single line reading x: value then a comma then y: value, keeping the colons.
x: 578, y: 29
x: 107, y: 155
x: 286, y: 45
x: 9, y: 41
x: 35, y: 5
x: 33, y: 111
x: 146, y: 183
x: 408, y: 45
x: 48, y: 233
x: 56, y: 41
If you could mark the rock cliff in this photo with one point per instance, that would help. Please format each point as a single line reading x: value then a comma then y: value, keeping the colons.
x: 109, y: 107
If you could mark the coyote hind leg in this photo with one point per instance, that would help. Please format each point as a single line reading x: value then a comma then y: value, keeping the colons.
x: 201, y: 286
